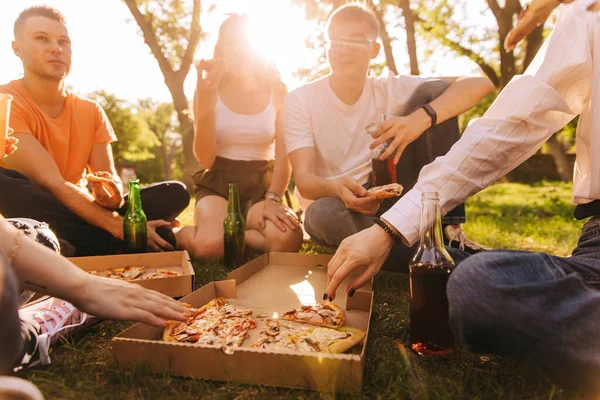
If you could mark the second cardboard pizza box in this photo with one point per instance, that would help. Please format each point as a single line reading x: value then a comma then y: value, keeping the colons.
x: 271, y: 284
x: 178, y: 261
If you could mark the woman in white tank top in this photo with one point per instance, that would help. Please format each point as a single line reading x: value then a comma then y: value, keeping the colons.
x: 238, y: 139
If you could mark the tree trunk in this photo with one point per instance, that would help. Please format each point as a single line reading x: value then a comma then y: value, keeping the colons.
x: 534, y: 42
x: 175, y: 79
x: 186, y: 126
x: 411, y: 43
x: 557, y: 151
x: 166, y: 154
x: 507, y: 59
x: 385, y: 38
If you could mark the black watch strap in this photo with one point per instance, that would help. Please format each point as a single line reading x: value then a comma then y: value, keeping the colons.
x: 432, y: 114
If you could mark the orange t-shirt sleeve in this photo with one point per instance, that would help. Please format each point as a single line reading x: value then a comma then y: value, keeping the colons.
x: 20, y: 119
x: 103, y: 132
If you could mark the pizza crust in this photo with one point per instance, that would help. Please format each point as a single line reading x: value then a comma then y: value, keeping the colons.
x: 386, y: 191
x: 100, y: 176
x: 348, y: 343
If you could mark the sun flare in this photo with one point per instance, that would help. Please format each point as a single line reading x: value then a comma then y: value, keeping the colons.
x: 278, y: 31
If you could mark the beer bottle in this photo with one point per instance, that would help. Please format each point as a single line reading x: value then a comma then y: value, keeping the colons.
x: 430, y: 269
x: 234, y: 229
x: 384, y: 171
x: 134, y: 221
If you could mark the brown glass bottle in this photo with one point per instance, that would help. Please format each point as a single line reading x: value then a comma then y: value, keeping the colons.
x: 134, y: 221
x: 234, y: 229
x: 430, y: 269
x: 383, y: 171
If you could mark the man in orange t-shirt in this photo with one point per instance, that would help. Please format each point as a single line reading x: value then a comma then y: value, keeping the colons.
x: 63, y: 135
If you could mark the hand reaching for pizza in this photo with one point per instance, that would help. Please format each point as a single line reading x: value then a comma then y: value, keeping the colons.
x: 120, y: 300
x: 105, y: 190
x: 355, y: 197
x: 365, y: 251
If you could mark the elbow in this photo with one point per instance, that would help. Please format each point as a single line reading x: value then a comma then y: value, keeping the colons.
x: 205, y: 160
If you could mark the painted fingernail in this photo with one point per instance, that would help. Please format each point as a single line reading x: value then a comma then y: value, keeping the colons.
x: 351, y: 292
x: 325, y: 296
x: 16, y: 140
x: 330, y: 298
x: 6, y: 155
x: 14, y: 148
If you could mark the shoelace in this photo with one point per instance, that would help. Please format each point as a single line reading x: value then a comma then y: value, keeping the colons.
x: 46, y: 333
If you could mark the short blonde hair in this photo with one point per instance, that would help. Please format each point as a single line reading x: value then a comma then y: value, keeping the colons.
x: 355, y: 12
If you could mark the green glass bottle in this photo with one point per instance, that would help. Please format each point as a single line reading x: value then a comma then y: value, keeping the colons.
x: 234, y: 229
x: 134, y: 221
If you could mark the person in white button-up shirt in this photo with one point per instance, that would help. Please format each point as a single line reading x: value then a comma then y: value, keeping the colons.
x: 508, y: 302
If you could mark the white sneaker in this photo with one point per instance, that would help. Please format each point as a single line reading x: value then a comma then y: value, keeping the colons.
x: 456, y: 234
x: 48, y: 320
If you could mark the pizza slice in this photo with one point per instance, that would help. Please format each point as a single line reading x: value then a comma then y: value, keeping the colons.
x: 326, y: 314
x: 217, y: 323
x: 287, y: 336
x: 386, y: 191
x: 99, y: 176
x: 125, y: 273
x: 161, y: 273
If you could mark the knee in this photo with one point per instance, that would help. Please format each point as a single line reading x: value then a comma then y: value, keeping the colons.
x: 475, y: 301
x: 179, y: 195
x: 288, y: 241
x: 207, y: 248
x: 321, y: 214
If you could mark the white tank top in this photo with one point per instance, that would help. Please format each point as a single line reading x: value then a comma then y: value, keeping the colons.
x: 245, y: 137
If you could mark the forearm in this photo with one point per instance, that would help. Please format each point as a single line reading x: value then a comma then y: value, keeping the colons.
x: 38, y: 268
x: 81, y: 203
x: 281, y: 176
x: 313, y: 187
x: 462, y: 95
x: 205, y: 138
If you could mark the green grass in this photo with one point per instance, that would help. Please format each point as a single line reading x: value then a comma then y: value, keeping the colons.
x: 506, y: 215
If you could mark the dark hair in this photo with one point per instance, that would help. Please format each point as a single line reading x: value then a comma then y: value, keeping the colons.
x: 268, y: 73
x: 38, y: 11
x: 355, y: 12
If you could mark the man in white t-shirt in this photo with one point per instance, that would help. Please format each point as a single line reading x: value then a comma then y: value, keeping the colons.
x: 326, y: 123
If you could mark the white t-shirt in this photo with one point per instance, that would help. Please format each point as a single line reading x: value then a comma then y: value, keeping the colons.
x: 315, y: 117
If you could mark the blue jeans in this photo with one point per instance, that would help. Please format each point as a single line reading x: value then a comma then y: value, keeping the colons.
x: 524, y: 304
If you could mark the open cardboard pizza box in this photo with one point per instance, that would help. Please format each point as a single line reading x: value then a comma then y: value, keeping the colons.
x: 271, y: 283
x: 179, y: 261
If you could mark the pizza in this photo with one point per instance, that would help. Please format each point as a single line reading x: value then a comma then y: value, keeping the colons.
x: 216, y: 323
x: 124, y: 273
x: 161, y: 273
x: 289, y: 336
x: 327, y: 314
x: 385, y: 191
x: 99, y: 176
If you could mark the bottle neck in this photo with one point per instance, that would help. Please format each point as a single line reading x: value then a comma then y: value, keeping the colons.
x: 233, y: 205
x: 431, y: 223
x: 135, y: 199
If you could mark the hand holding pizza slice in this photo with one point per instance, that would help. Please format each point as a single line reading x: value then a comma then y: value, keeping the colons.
x: 105, y: 190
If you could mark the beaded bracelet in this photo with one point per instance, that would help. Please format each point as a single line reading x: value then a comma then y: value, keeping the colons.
x: 271, y: 195
x: 16, y: 246
x: 387, y: 229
